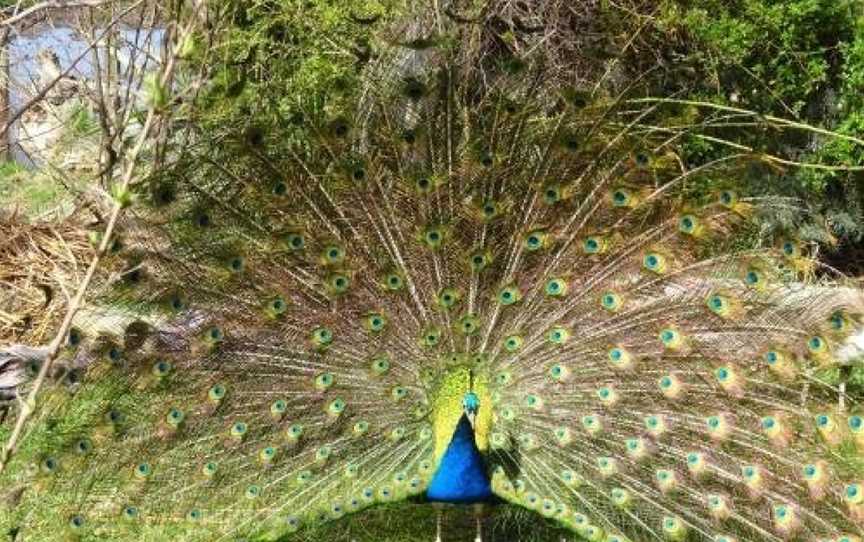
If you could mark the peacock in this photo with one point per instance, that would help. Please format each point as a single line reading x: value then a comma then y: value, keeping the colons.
x: 463, y: 290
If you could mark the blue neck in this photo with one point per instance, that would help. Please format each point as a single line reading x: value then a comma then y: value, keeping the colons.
x: 461, y: 476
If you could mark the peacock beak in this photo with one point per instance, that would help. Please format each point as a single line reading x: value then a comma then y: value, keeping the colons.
x: 471, y: 417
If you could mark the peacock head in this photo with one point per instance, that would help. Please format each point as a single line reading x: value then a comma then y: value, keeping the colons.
x: 471, y: 404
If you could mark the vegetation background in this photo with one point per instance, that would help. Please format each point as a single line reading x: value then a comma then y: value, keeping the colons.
x: 279, y: 60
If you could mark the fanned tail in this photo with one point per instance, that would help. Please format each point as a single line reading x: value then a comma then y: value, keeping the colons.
x: 298, y: 327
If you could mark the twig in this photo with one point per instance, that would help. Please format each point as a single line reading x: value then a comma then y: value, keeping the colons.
x: 42, y: 93
x: 769, y: 118
x: 28, y: 405
x: 56, y: 4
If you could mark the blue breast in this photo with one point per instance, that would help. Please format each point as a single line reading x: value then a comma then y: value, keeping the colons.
x: 461, y: 475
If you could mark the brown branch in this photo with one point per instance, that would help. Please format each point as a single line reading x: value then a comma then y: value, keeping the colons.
x: 55, y: 4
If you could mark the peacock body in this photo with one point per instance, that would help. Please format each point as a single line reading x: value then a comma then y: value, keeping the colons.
x: 453, y: 289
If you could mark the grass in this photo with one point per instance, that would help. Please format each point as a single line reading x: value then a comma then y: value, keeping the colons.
x: 409, y: 522
x: 29, y: 191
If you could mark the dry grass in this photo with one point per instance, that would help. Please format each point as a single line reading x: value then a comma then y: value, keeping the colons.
x: 40, y: 264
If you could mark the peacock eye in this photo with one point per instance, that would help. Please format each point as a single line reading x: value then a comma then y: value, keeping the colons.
x: 336, y: 407
x: 380, y: 365
x: 424, y: 185
x: 838, y: 321
x: 513, y: 343
x: 669, y: 337
x: 177, y: 303
x: 278, y: 408
x: 77, y: 522
x: 143, y: 470
x: 654, y: 262
x: 333, y: 255
x: 130, y: 512
x: 433, y: 237
x: 753, y: 277
x: 535, y: 240
x: 375, y: 322
x: 853, y: 493
x: 490, y: 210
x: 393, y: 282
x: 238, y: 430
x: 295, y: 431
x: 175, y: 417
x: 621, y: 197
x: 83, y: 446
x: 594, y: 245
x: 209, y: 469
x: 280, y: 189
x: 253, y: 491
x: 324, y: 381
x: 431, y: 337
x: 296, y: 241
x: 556, y: 287
x: 361, y: 427
x: 322, y: 336
x: 216, y: 393
x: 558, y: 335
x: 339, y: 127
x: 719, y: 304
x: 469, y: 324
x: 479, y: 261
x: 448, y: 297
x: 413, y: 89
x: 552, y: 194
x: 276, y: 307
x: 214, y: 335
x: 610, y: 301
x: 816, y: 344
x: 236, y: 264
x: 202, y: 219
x: 115, y: 417
x: 728, y: 198
x: 687, y: 224
x: 74, y: 338
x: 398, y: 393
x: 509, y: 295
x: 49, y: 465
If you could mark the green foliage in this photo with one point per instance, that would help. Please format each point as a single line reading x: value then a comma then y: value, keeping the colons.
x: 29, y: 191
x: 800, y: 59
x: 778, y: 55
x: 281, y: 59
